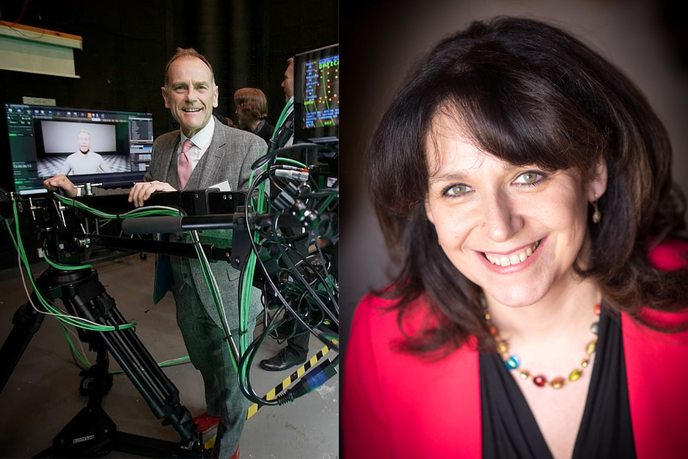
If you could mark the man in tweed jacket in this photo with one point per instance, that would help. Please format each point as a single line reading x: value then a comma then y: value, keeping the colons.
x: 218, y: 154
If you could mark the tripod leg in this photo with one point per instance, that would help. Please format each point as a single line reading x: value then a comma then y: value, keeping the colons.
x: 92, y: 302
x: 100, y: 378
x: 27, y: 321
x: 91, y: 431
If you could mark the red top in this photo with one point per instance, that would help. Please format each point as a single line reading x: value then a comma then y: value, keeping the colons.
x: 399, y: 406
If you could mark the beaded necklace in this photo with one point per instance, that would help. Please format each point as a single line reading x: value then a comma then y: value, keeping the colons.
x: 513, y: 362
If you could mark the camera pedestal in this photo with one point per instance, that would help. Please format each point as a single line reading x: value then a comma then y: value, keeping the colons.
x: 91, y: 432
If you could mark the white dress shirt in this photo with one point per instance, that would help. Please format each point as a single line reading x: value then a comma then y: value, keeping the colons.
x: 201, y: 142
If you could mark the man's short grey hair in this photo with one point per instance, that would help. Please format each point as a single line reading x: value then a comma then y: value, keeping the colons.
x: 187, y: 52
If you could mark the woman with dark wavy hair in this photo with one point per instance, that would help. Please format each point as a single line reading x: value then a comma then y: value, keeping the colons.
x: 525, y: 185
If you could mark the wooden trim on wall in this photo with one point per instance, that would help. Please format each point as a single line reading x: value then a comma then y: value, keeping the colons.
x: 37, y: 34
x: 35, y: 50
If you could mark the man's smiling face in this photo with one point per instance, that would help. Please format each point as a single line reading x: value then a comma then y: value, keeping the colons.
x: 190, y: 94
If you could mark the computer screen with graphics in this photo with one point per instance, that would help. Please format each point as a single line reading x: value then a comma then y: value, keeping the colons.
x: 316, y: 95
x: 110, y: 147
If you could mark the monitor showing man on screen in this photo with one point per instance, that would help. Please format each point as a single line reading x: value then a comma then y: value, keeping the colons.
x: 102, y: 146
x: 84, y: 161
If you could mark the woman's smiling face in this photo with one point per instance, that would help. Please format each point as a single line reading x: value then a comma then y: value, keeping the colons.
x: 513, y: 230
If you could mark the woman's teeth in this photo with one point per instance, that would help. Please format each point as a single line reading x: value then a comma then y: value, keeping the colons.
x: 512, y: 259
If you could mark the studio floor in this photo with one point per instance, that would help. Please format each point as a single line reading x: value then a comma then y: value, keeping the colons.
x: 42, y: 394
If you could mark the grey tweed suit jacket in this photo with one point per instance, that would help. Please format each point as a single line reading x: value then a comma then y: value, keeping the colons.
x: 228, y: 158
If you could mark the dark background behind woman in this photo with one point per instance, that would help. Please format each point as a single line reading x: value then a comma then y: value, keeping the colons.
x: 647, y: 40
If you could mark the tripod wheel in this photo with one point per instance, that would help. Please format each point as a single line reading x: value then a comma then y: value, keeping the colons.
x: 89, y: 379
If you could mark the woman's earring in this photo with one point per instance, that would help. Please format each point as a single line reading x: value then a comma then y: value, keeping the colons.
x: 596, y: 216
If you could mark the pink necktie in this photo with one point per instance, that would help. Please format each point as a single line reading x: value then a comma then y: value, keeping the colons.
x: 184, y: 169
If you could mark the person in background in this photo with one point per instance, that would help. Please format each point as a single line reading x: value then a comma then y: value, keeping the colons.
x: 226, y: 120
x: 252, y: 111
x: 288, y: 87
x: 296, y: 350
x: 203, y: 153
x: 288, y: 81
x: 540, y: 310
x: 84, y: 161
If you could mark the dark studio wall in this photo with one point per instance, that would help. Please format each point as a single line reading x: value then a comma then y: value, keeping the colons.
x: 294, y: 27
x: 126, y: 44
x: 249, y: 41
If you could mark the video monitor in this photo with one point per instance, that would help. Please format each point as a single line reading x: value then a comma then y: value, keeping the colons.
x: 109, y: 147
x: 316, y: 95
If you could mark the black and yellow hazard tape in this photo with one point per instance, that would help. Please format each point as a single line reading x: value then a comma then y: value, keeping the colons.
x: 288, y: 381
x: 282, y: 386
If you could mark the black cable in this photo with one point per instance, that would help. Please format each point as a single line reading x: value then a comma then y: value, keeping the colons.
x: 322, y: 279
x: 295, y: 271
x: 324, y: 193
x: 312, y: 305
x: 247, y: 206
x: 260, y: 162
x: 257, y: 253
x: 247, y: 361
x: 324, y: 340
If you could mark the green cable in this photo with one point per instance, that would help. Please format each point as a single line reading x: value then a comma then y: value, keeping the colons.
x: 327, y: 202
x: 251, y: 263
x: 22, y: 253
x: 203, y: 262
x: 293, y: 162
x: 246, y: 287
x: 286, y: 110
x: 64, y: 267
x: 59, y: 315
x: 164, y: 364
x: 75, y: 351
x: 138, y: 212
x: 87, y: 364
x: 214, y: 292
x: 9, y: 230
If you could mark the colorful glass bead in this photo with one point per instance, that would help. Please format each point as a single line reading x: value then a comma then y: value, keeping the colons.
x: 557, y: 383
x: 513, y: 362
x: 575, y: 374
x: 591, y: 347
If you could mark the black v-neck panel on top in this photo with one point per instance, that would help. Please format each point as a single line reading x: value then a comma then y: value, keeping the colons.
x: 509, y: 427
